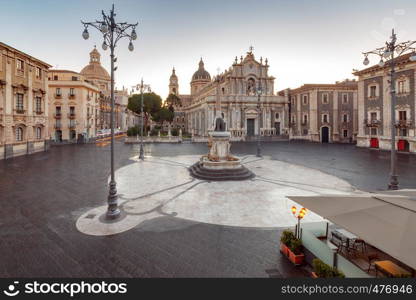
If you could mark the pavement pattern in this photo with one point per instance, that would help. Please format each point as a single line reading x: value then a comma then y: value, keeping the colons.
x: 43, y: 196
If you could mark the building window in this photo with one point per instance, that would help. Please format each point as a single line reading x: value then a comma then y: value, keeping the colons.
x: 38, y: 73
x: 403, y: 132
x: 305, y: 131
x: 19, y: 65
x: 38, y: 133
x: 71, y: 91
x: 344, y: 98
x: 400, y: 87
x: 325, y: 98
x: 293, y: 101
x: 373, y: 116
x: 19, y: 102
x: 402, y: 115
x: 55, y: 77
x: 305, y: 119
x: 345, y: 133
x: 74, y: 78
x: 305, y: 99
x: 277, y: 116
x: 373, y: 131
x: 19, y: 134
x: 345, y: 118
x: 58, y: 91
x: 324, y: 118
x: 38, y: 104
x: 373, y: 91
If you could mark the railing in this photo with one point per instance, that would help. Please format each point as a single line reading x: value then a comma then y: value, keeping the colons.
x: 403, y: 123
x: 372, y: 123
x: 71, y: 96
x: 19, y: 111
x: 72, y: 126
x: 57, y: 115
x: 71, y: 115
x: 57, y: 126
x: 58, y: 96
x: 39, y: 112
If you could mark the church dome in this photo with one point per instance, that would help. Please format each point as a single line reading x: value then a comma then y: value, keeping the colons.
x: 94, y: 70
x: 201, y: 73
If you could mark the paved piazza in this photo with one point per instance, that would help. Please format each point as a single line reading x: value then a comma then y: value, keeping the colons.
x: 162, y: 186
x: 182, y: 228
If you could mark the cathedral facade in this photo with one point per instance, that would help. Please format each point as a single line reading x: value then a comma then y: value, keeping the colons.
x: 246, y: 95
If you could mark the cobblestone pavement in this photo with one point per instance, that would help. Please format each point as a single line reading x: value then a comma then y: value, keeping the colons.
x: 42, y: 196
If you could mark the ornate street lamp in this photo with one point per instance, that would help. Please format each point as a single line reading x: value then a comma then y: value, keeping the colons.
x: 300, y: 216
x: 112, y: 33
x: 386, y: 55
x: 142, y: 87
x: 259, y: 92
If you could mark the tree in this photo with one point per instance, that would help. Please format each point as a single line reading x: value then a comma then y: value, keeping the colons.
x: 152, y: 104
x: 173, y: 100
x: 165, y: 114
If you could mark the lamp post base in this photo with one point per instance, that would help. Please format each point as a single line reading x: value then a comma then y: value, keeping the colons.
x: 394, y: 183
x: 113, y: 212
x: 258, y: 154
x: 141, y: 153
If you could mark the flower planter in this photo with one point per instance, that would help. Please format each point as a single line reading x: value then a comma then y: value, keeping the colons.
x: 296, y: 259
x: 284, y: 249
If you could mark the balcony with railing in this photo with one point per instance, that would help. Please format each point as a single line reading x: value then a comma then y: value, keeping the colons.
x: 19, y: 110
x: 71, y: 115
x: 58, y: 95
x: 404, y: 123
x: 72, y: 125
x: 372, y: 123
x: 57, y: 126
x: 57, y: 115
x: 71, y: 96
x: 38, y: 112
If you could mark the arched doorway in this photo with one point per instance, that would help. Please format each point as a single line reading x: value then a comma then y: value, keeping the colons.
x: 73, y: 135
x: 58, y: 136
x: 325, y: 134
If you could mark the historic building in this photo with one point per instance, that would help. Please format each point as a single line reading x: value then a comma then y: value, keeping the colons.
x: 73, y: 107
x: 23, y: 103
x: 124, y: 118
x: 248, y: 102
x: 324, y: 112
x: 374, y: 106
x: 95, y: 73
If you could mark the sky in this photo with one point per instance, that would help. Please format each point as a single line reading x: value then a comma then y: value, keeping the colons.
x: 305, y: 41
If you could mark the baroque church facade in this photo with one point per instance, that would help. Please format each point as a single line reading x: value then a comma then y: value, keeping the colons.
x: 246, y: 94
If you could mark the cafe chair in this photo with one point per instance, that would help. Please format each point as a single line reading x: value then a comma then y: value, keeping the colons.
x: 372, y: 258
x: 361, y: 243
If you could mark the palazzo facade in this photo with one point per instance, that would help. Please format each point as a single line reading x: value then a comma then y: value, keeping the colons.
x: 374, y: 106
x: 23, y: 103
x: 246, y: 94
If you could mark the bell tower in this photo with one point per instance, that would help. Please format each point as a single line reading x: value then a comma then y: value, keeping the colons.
x: 173, y: 83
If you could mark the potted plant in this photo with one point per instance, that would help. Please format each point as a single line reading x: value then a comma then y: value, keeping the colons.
x: 295, y: 252
x: 285, y: 240
x: 323, y: 270
x: 291, y: 247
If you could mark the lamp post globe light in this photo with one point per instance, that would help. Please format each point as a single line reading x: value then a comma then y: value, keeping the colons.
x: 387, y: 57
x: 259, y: 92
x: 112, y: 33
x: 299, y: 216
x: 142, y: 88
